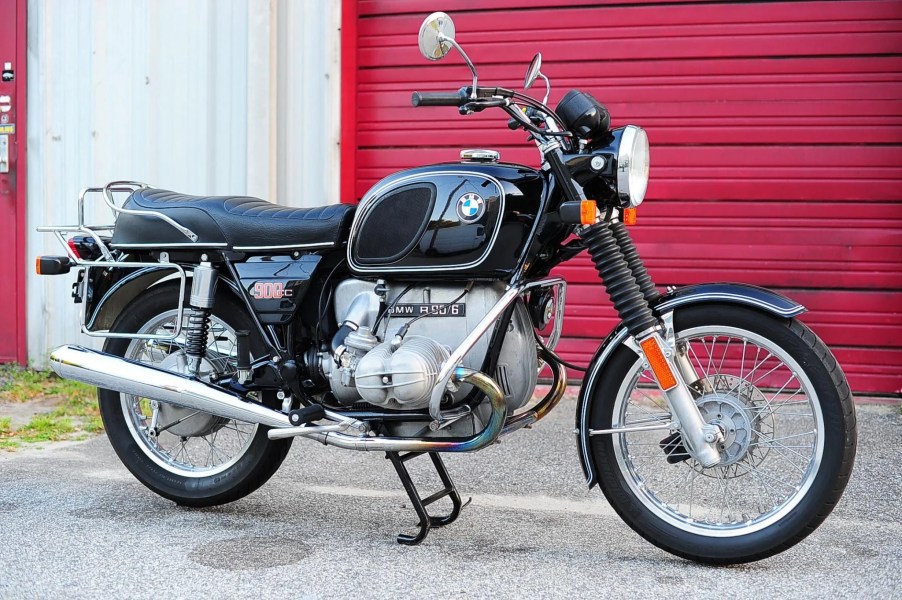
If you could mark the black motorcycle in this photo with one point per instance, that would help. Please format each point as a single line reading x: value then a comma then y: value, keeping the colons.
x: 718, y: 426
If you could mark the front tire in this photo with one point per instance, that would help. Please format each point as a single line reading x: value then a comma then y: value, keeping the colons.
x: 190, y: 457
x: 787, y: 412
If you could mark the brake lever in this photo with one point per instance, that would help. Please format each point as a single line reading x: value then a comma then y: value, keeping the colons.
x: 480, y: 105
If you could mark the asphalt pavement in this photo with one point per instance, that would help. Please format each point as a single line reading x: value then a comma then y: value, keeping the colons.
x: 75, y: 524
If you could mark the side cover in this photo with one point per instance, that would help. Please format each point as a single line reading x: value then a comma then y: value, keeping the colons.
x: 276, y: 284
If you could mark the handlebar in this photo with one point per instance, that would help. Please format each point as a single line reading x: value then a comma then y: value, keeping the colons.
x: 458, y: 98
x: 487, y: 97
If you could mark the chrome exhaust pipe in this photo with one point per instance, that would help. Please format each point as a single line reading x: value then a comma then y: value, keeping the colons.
x: 554, y: 395
x: 392, y: 444
x: 129, y: 377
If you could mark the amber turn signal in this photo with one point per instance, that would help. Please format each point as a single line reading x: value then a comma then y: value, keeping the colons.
x: 588, y: 212
x: 651, y: 347
x: 52, y: 265
x: 629, y: 216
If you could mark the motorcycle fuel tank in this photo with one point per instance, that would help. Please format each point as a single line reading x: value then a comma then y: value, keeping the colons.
x: 450, y: 220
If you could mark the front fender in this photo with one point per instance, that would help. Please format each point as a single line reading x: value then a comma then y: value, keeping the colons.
x: 733, y: 293
x: 707, y: 293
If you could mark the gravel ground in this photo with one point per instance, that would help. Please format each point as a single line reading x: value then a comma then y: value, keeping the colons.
x: 75, y: 524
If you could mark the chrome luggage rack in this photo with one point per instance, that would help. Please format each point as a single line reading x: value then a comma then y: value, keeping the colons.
x: 108, y: 261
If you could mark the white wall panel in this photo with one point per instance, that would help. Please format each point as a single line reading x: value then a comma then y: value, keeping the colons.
x: 203, y: 97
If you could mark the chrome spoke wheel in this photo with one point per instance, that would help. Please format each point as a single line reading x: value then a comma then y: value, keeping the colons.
x: 183, y: 441
x: 772, y: 424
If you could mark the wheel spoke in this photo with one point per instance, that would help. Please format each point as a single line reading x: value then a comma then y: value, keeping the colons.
x: 724, y: 482
x: 785, y: 437
x: 699, y: 363
x: 724, y: 357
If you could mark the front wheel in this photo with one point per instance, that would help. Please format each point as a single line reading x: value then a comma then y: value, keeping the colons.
x: 786, y: 412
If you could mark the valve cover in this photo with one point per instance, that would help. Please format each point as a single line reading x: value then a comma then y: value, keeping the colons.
x: 403, y: 378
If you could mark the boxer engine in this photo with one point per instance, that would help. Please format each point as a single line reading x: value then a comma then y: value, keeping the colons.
x: 393, y: 361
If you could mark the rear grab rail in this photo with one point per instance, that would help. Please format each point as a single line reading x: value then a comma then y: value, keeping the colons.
x: 107, y: 261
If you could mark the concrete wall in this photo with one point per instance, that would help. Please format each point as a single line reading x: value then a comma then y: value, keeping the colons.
x: 203, y: 97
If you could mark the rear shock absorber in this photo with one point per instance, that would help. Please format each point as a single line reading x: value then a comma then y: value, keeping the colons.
x: 626, y: 294
x: 628, y: 248
x: 203, y: 290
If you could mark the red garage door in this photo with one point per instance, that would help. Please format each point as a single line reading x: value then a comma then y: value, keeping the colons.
x: 776, y: 132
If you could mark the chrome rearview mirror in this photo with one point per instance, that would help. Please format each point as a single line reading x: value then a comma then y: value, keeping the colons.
x: 437, y: 38
x: 533, y: 72
x: 436, y: 34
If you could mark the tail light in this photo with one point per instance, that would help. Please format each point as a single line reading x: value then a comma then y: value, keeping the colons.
x: 84, y: 247
x: 74, y: 247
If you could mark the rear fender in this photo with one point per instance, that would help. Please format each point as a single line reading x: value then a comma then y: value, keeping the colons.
x: 709, y: 293
x: 127, y: 289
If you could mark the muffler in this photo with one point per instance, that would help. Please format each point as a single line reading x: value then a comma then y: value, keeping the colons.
x: 129, y: 377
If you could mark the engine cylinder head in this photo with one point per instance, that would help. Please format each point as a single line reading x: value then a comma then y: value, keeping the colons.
x: 404, y: 378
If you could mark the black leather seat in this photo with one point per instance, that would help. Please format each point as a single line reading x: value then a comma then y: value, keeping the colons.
x: 236, y: 221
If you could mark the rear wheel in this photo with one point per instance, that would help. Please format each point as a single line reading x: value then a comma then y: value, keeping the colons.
x: 785, y: 409
x: 188, y: 456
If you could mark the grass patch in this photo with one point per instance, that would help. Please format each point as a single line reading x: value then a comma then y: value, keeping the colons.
x: 21, y: 385
x: 6, y: 432
x: 74, y: 414
x: 46, y: 428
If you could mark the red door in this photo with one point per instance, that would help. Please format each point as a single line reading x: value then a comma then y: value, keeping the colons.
x: 12, y: 180
x: 775, y: 129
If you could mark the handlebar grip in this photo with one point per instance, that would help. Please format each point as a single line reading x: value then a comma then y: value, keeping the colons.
x: 457, y: 98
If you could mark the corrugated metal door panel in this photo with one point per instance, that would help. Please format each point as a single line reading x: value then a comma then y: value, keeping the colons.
x: 776, y: 142
x: 813, y: 10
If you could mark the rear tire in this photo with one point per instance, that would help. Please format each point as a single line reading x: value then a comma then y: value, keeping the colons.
x: 789, y: 457
x: 199, y: 480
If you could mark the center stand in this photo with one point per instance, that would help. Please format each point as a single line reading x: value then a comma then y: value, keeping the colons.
x: 419, y: 504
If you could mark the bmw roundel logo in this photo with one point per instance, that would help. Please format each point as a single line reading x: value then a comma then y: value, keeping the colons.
x: 470, y: 207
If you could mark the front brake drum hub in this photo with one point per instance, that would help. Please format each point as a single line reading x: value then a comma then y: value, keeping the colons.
x: 742, y: 413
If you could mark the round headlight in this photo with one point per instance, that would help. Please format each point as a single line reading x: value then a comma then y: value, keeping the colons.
x: 632, y: 165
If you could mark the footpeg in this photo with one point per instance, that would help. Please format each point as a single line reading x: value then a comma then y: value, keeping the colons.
x: 307, y: 414
x: 673, y: 447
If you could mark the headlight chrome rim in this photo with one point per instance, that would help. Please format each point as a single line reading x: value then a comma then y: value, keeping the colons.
x: 626, y: 154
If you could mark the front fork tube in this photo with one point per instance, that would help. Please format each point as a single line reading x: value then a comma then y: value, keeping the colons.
x: 672, y: 371
x: 619, y: 267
